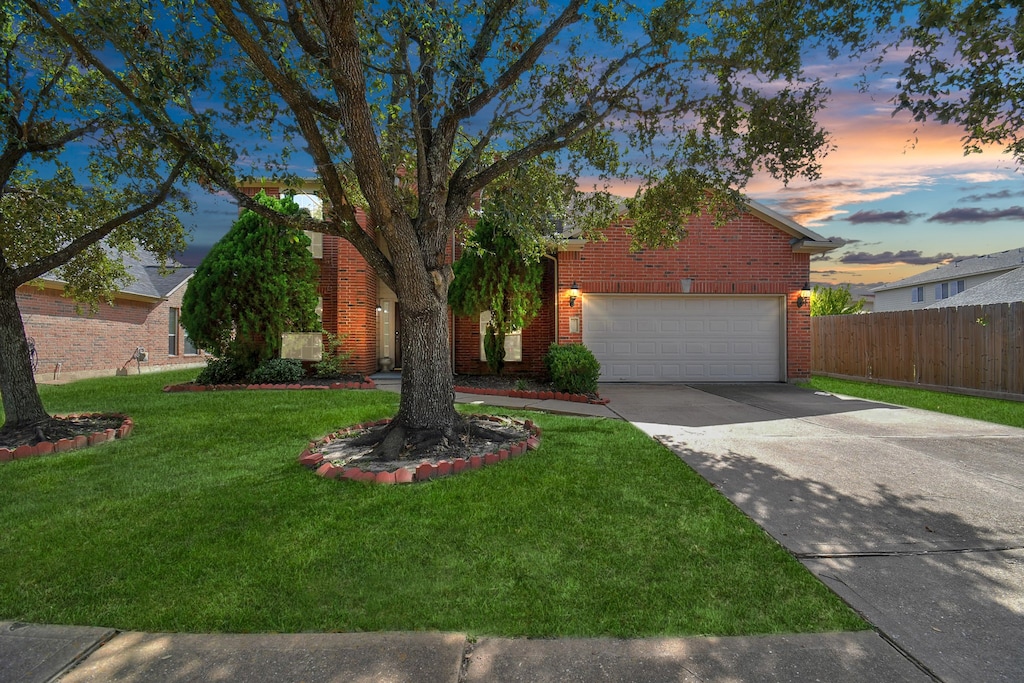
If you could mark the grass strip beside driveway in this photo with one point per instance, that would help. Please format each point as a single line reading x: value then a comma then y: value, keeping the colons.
x: 203, y: 521
x: 998, y: 411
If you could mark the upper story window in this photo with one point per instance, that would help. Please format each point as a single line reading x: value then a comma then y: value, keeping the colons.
x: 945, y: 290
x: 917, y: 295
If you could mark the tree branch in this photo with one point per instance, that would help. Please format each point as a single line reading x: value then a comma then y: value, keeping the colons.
x: 44, y: 265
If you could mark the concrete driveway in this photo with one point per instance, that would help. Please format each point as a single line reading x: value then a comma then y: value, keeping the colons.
x: 915, y: 518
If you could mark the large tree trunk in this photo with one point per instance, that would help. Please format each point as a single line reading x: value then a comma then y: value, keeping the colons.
x: 22, y: 405
x: 427, y: 386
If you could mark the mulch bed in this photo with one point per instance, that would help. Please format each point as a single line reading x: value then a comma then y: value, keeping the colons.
x: 334, y: 456
x: 62, y: 433
x: 520, y: 387
x: 346, y: 382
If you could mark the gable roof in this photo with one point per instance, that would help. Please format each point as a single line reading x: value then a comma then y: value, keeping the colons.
x: 1005, y: 289
x: 805, y: 241
x: 145, y: 269
x: 148, y: 281
x: 1002, y: 261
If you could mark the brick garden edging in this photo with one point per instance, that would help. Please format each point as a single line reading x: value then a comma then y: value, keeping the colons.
x: 313, y: 460
x: 365, y: 384
x: 65, y: 445
x: 538, y: 395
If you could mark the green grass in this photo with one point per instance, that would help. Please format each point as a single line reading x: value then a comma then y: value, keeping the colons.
x: 203, y: 521
x: 988, y: 409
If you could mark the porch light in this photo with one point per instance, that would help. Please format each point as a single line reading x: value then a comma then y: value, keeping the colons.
x: 574, y: 293
x: 805, y: 296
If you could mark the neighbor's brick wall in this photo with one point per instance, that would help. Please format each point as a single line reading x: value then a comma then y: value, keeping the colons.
x: 87, y: 344
x: 745, y: 256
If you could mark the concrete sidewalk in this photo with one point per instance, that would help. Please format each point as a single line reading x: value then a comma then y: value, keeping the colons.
x: 36, y: 654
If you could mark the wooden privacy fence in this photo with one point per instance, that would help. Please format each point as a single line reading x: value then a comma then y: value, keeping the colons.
x: 969, y: 349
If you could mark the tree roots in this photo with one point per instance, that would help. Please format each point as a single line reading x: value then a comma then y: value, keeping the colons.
x: 396, y: 442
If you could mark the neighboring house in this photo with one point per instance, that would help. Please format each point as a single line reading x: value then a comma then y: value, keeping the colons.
x: 724, y: 305
x: 71, y: 342
x: 1008, y: 288
x: 940, y: 284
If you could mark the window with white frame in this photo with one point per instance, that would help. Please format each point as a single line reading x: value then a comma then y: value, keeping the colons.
x: 513, y: 341
x: 172, y: 332
x: 956, y: 287
x: 942, y: 291
x: 917, y: 295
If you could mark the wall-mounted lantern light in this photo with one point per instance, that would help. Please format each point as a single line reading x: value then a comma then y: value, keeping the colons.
x: 804, y: 297
x: 574, y: 293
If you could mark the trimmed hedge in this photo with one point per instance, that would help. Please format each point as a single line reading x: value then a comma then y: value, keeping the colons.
x: 573, y: 368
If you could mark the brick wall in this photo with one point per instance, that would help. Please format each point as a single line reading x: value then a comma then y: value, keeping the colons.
x: 745, y: 256
x: 90, y: 345
x: 348, y: 286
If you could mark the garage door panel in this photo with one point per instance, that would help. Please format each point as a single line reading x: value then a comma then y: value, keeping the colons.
x: 646, y: 348
x: 685, y: 338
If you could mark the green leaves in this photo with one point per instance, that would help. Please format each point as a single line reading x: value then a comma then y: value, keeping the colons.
x: 257, y: 282
x: 962, y: 65
x: 834, y: 301
x: 493, y: 274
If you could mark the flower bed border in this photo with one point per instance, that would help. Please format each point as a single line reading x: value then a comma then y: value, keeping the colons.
x: 77, y: 443
x: 538, y: 395
x: 188, y: 386
x: 409, y: 474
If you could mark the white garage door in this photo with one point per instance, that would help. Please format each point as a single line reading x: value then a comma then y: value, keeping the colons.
x: 685, y: 338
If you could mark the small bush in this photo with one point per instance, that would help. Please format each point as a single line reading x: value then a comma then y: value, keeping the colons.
x: 277, y: 370
x: 335, y: 360
x: 221, y: 371
x: 573, y: 368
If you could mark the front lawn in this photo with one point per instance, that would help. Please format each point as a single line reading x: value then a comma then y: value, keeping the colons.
x: 203, y: 521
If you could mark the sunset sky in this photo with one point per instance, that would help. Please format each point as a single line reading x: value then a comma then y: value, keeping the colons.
x: 901, y: 197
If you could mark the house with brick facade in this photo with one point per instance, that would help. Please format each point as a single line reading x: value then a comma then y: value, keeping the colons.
x: 726, y: 304
x: 72, y: 342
